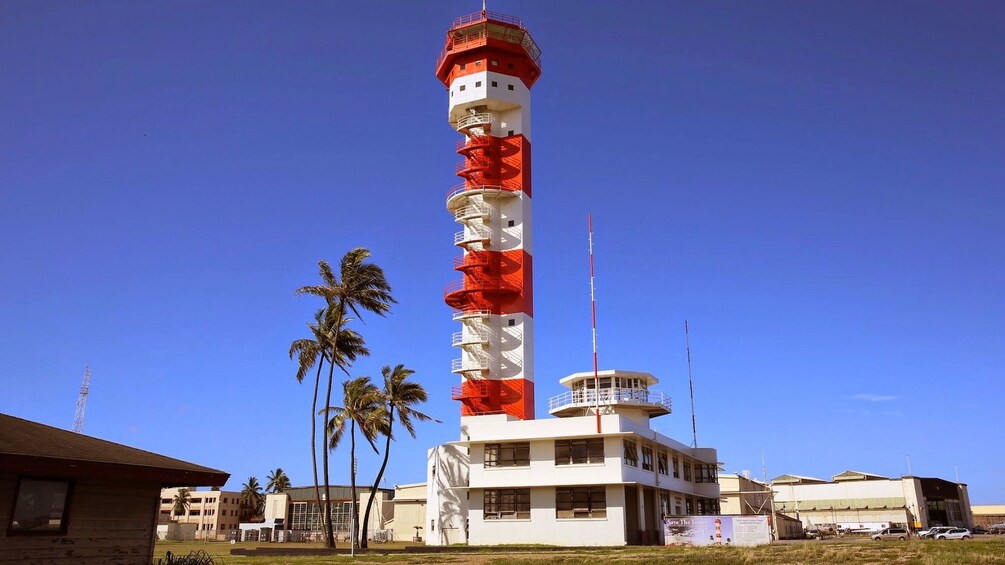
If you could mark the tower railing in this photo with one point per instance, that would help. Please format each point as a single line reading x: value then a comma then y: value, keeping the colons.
x: 467, y: 314
x: 473, y: 120
x: 472, y: 211
x: 470, y: 362
x: 476, y: 17
x: 472, y: 235
x: 588, y: 397
x: 461, y: 188
x: 469, y: 336
x: 467, y: 38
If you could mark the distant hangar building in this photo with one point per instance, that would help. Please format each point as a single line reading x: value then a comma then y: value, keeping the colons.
x: 857, y: 500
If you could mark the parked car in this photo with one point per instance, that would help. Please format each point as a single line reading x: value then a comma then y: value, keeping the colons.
x: 955, y: 533
x: 890, y: 534
x: 930, y: 532
x: 979, y: 530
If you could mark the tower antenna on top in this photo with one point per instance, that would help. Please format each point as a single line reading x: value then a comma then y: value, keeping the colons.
x: 593, y: 311
x: 690, y: 383
x: 78, y: 419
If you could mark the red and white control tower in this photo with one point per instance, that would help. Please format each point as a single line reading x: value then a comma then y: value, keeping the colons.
x: 489, y: 64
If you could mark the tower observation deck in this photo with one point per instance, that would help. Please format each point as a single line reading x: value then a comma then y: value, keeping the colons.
x: 489, y: 64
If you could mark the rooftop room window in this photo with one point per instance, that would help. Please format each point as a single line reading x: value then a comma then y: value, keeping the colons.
x: 579, y: 451
x: 661, y: 463
x: 581, y: 502
x: 41, y: 506
x: 705, y: 473
x: 507, y: 454
x: 507, y: 504
x: 631, y: 454
x: 647, y: 459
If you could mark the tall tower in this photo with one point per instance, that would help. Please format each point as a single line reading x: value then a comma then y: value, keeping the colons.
x: 489, y: 64
x: 78, y: 418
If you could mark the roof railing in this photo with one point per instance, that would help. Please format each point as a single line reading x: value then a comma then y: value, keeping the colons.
x: 476, y: 17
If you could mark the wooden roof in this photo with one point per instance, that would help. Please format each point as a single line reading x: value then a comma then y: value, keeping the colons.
x: 30, y: 447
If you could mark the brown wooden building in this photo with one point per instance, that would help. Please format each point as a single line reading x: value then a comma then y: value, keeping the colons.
x: 70, y: 498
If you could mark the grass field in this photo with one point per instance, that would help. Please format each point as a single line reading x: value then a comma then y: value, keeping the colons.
x: 988, y: 551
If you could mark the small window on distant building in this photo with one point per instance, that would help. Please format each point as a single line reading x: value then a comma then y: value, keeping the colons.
x: 511, y: 322
x: 511, y: 223
x: 508, y: 87
x: 462, y: 87
x: 478, y: 84
x: 40, y: 507
x: 495, y: 83
x: 647, y: 459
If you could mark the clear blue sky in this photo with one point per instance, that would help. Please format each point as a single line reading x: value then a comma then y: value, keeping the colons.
x: 817, y: 187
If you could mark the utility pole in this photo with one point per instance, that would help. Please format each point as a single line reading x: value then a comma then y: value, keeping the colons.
x: 78, y: 418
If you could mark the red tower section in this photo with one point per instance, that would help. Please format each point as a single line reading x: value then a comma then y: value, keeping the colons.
x: 489, y: 63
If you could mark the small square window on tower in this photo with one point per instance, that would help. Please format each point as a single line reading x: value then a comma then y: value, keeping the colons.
x: 511, y: 322
x: 495, y: 63
x: 478, y: 84
x: 478, y: 63
x: 495, y: 83
x: 462, y: 66
x: 509, y: 87
x: 511, y: 223
x: 462, y: 87
x: 510, y: 132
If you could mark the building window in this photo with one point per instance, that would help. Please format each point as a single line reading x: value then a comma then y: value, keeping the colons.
x: 510, y: 132
x: 678, y: 504
x: 478, y: 63
x: 581, y: 502
x: 478, y: 84
x: 495, y: 63
x: 705, y: 473
x: 687, y: 471
x: 507, y: 504
x: 511, y: 223
x: 662, y: 466
x: 462, y: 87
x: 509, y: 87
x: 631, y: 454
x: 647, y: 459
x: 495, y: 83
x: 676, y: 467
x: 579, y: 451
x: 463, y: 65
x: 511, y: 322
x: 507, y: 454
x: 41, y: 506
x: 708, y: 506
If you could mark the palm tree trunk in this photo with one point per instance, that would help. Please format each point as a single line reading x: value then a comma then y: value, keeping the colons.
x: 352, y: 480
x: 380, y: 475
x: 330, y: 532
x: 314, y: 436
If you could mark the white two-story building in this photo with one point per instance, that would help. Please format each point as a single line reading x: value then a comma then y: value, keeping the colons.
x: 575, y: 479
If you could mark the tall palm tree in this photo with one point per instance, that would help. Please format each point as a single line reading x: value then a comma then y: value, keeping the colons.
x: 361, y: 285
x: 308, y: 351
x: 181, y: 502
x: 251, y: 496
x: 278, y: 481
x: 399, y: 395
x: 363, y: 409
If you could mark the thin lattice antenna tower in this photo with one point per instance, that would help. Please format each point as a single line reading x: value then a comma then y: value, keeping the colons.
x: 78, y: 419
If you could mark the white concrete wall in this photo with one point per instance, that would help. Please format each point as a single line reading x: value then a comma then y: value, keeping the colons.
x: 447, y: 505
x: 545, y: 528
x: 509, y: 107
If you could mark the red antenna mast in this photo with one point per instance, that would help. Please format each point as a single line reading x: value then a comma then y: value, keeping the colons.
x: 593, y: 308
